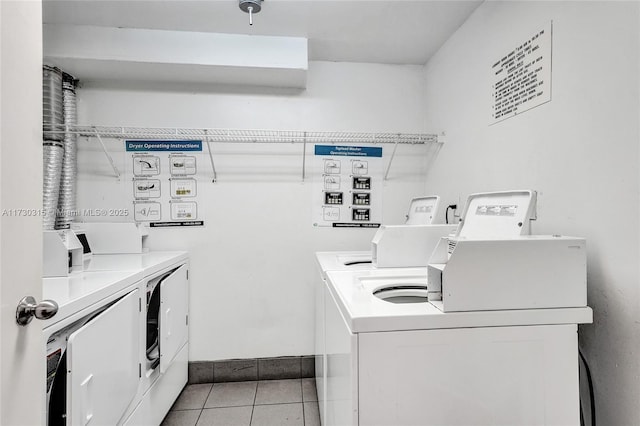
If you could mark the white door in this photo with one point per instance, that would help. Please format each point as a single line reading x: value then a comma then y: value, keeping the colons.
x: 103, y: 365
x: 174, y: 300
x: 22, y: 367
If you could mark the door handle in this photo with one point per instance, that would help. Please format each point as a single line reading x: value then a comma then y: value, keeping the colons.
x: 28, y: 308
x: 87, y: 403
x: 168, y: 322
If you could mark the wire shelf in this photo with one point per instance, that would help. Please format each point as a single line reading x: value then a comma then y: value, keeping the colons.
x: 241, y: 136
x: 247, y: 136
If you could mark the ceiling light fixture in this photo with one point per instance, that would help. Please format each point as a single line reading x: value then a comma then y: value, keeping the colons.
x: 251, y: 7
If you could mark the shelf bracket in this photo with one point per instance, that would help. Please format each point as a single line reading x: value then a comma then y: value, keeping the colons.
x: 304, y: 155
x: 104, y: 149
x: 213, y: 166
x: 393, y: 154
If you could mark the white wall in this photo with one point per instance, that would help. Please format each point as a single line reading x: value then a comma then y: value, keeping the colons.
x: 253, y: 263
x: 110, y: 53
x: 580, y: 151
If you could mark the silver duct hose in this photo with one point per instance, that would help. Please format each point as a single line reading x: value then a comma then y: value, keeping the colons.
x: 52, y: 113
x: 67, y: 198
x: 53, y: 154
x: 52, y: 150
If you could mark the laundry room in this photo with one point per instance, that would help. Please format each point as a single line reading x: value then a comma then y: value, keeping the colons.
x: 402, y: 212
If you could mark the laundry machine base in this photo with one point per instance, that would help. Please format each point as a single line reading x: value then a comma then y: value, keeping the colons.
x: 157, y: 401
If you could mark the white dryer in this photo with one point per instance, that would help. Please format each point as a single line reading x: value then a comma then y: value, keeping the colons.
x: 163, y: 323
x: 163, y: 351
x: 92, y: 371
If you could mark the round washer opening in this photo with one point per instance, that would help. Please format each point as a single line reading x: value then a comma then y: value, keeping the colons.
x: 399, y: 293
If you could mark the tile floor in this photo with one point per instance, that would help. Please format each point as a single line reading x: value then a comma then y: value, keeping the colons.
x: 256, y: 403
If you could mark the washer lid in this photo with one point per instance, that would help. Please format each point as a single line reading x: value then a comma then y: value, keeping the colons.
x: 354, y: 259
x: 343, y: 261
x: 422, y: 210
x: 498, y: 214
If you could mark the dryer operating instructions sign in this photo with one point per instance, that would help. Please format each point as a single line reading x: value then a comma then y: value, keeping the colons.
x: 348, y: 186
x: 164, y: 184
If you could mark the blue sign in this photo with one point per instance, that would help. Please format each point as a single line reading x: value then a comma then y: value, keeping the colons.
x: 348, y: 151
x: 147, y: 146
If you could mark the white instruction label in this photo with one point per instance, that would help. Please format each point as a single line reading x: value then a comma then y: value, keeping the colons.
x: 183, y: 210
x: 183, y: 187
x: 146, y: 188
x: 182, y: 165
x: 147, y: 211
x: 146, y: 165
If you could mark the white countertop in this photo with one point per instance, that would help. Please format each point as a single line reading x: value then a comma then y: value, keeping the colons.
x: 83, y: 289
x: 149, y: 263
x: 364, y: 312
x: 104, y: 275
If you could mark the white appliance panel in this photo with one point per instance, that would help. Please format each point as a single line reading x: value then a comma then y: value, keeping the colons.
x: 159, y: 398
x: 320, y: 360
x: 341, y: 368
x: 103, y: 364
x: 422, y: 210
x: 406, y: 246
x: 498, y: 214
x: 499, y: 376
x: 174, y: 304
x: 529, y: 272
x: 115, y: 237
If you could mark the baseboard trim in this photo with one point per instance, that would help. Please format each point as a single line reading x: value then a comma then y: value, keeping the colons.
x: 240, y: 370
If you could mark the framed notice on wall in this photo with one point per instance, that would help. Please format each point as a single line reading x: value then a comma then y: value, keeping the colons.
x: 521, y: 75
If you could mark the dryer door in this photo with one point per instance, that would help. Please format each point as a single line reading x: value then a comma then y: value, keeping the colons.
x: 102, y: 357
x: 174, y: 300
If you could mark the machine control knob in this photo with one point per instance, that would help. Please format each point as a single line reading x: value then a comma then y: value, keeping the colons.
x: 28, y: 308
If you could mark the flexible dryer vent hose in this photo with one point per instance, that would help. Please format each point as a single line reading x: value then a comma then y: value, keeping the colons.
x: 68, y: 180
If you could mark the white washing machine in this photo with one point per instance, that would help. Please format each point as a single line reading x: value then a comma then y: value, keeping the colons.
x: 330, y: 261
x: 412, y: 364
x: 481, y: 348
x: 422, y: 211
x: 396, y: 245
